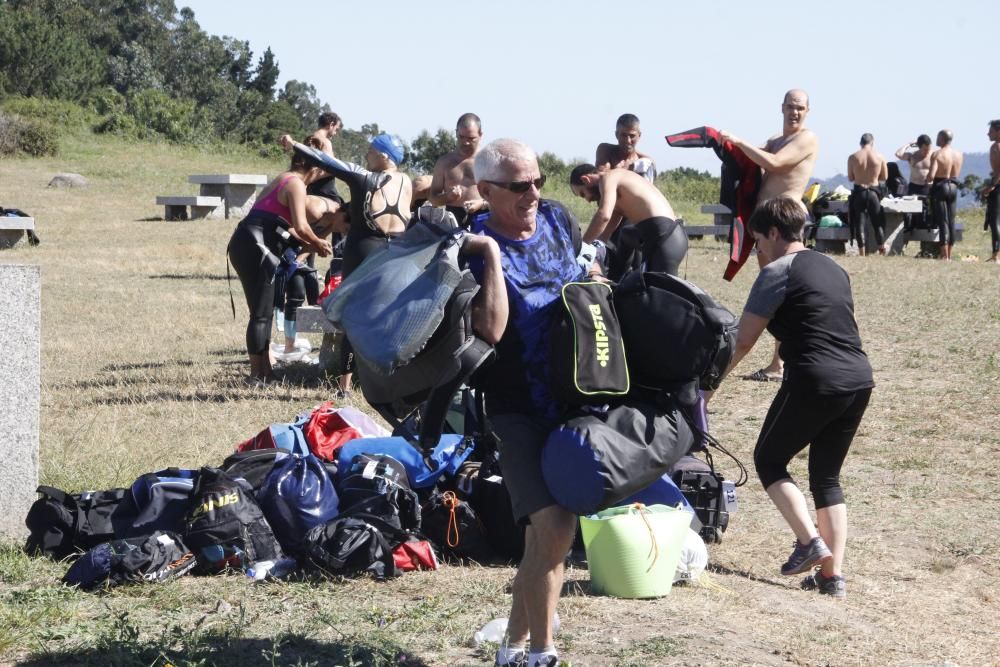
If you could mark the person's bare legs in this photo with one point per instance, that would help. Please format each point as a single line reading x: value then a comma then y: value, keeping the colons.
x: 539, y: 578
x: 792, y: 505
x: 832, y: 522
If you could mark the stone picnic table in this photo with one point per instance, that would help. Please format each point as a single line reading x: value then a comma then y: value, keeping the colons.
x: 238, y: 191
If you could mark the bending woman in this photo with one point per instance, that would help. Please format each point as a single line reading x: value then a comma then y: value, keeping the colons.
x: 803, y: 298
x: 257, y: 246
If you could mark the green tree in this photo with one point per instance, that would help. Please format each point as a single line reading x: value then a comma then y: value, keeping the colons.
x: 427, y: 148
x: 301, y: 96
x: 40, y: 59
x: 133, y: 69
x: 352, y: 145
x: 266, y: 75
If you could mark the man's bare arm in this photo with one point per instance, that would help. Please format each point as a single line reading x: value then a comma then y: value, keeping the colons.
x: 994, y: 182
x: 786, y: 159
x: 605, y: 210
x: 932, y: 172
x: 489, y: 306
x: 850, y: 169
x: 437, y: 195
x: 883, y: 173
x: 904, y: 152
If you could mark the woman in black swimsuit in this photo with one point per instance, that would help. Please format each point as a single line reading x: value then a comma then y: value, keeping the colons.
x: 379, y: 206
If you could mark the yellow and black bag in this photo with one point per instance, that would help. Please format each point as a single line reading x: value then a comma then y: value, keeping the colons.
x: 588, y: 365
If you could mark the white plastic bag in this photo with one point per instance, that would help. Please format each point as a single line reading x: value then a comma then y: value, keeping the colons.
x: 694, y: 558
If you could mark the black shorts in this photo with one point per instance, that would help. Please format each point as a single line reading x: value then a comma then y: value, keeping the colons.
x: 521, y: 440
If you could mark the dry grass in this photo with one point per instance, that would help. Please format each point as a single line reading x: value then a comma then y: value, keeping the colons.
x: 142, y: 363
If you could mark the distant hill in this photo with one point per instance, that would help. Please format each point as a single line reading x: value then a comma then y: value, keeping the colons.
x: 975, y: 163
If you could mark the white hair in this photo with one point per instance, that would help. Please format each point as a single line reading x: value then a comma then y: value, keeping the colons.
x: 493, y: 160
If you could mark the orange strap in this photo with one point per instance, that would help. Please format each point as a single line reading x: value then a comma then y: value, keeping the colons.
x: 652, y: 536
x: 450, y: 500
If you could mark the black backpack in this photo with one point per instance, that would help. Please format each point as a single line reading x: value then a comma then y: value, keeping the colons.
x: 679, y: 338
x: 376, y: 485
x: 225, y: 518
x: 348, y: 545
x: 587, y: 355
x: 255, y: 465
x: 63, y: 524
x: 453, y: 526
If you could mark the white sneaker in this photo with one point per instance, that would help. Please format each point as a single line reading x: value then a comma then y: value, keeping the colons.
x: 303, y: 344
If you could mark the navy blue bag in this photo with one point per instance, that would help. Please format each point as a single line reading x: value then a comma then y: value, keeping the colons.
x: 155, y: 558
x: 601, y: 457
x: 161, y: 500
x: 297, y: 495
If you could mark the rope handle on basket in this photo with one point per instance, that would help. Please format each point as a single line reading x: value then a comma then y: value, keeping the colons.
x: 450, y: 500
x: 652, y: 536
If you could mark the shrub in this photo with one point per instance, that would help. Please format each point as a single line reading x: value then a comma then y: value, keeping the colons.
x: 56, y: 113
x: 21, y: 135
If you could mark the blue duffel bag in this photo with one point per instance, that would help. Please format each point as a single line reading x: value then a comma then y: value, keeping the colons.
x: 451, y: 452
x: 601, y: 457
x: 297, y: 495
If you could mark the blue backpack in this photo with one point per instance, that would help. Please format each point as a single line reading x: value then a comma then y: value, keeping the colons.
x: 161, y: 499
x: 422, y: 470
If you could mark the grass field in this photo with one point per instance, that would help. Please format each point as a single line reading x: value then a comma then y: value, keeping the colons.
x: 142, y: 364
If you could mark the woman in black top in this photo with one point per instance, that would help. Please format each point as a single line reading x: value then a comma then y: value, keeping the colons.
x: 803, y: 298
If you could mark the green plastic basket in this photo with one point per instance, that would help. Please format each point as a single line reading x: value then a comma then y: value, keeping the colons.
x: 633, y: 551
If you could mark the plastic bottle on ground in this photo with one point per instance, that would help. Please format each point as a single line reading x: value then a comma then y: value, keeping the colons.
x: 495, y: 630
x: 273, y: 569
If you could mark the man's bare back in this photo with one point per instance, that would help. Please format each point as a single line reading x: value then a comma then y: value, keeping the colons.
x: 946, y: 162
x: 866, y: 167
x: 621, y: 194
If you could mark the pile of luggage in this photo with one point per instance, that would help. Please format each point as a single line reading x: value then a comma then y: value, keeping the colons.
x: 330, y: 493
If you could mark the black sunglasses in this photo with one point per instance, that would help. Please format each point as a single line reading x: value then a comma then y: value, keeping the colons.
x: 520, y: 187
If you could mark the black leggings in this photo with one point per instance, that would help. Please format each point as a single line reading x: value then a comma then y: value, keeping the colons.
x: 302, y: 287
x: 799, y: 418
x: 253, y: 250
x: 864, y: 203
x: 943, y: 195
x: 993, y: 218
x: 664, y: 244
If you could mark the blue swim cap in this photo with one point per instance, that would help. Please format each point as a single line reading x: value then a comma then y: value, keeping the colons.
x: 391, y: 145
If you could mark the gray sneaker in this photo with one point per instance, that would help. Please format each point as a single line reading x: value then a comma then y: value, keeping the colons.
x: 806, y: 556
x: 835, y: 586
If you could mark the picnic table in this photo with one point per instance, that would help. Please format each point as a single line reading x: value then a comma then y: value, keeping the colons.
x: 834, y: 239
x: 722, y: 219
x: 238, y: 191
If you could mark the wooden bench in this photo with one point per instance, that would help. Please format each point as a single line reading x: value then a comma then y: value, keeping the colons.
x: 12, y: 228
x: 238, y: 191
x: 723, y: 219
x: 176, y: 207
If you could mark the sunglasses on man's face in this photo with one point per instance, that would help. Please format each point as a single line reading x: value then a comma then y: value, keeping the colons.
x: 520, y: 187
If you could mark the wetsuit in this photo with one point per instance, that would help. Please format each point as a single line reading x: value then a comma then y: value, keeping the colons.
x: 863, y: 203
x: 663, y: 244
x: 806, y: 298
x: 944, y: 192
x: 365, y: 236
x: 255, y: 250
x: 993, y: 218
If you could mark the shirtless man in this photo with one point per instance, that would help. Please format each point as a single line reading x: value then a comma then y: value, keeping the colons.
x: 787, y: 160
x: 328, y: 125
x: 624, y: 154
x: 623, y: 194
x: 454, y: 184
x: 866, y: 168
x: 920, y: 164
x: 946, y: 165
x: 991, y: 192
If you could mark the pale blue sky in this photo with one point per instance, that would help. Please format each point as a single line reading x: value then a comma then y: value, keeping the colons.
x: 557, y: 75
